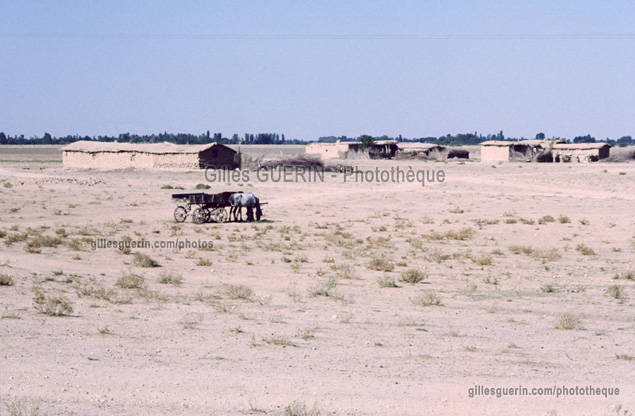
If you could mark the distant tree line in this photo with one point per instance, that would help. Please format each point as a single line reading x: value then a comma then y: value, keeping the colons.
x: 275, y: 138
x: 463, y: 139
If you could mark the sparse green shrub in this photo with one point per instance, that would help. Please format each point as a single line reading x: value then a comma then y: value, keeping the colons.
x: 202, y: 186
x: 413, y: 276
x: 143, y: 260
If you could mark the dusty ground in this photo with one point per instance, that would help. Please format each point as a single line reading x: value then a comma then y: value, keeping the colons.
x: 288, y: 316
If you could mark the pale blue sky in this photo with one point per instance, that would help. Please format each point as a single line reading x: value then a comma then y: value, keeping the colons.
x: 310, y: 69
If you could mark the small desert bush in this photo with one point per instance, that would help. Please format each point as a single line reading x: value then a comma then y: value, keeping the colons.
x: 563, y: 219
x: 297, y: 408
x: 386, y: 281
x: 345, y: 271
x: 616, y: 292
x: 629, y: 275
x: 202, y: 186
x: 201, y: 262
x: 241, y: 292
x: 548, y: 288
x: 568, y: 321
x: 427, y: 298
x: 6, y: 280
x: 170, y: 278
x: 51, y: 305
x: 24, y: 406
x: 381, y: 264
x: 585, y: 250
x: 463, y: 234
x: 324, y: 287
x: 545, y: 219
x: 413, y: 276
x: 131, y: 281
x: 143, y: 260
x: 75, y: 244
x: 483, y: 260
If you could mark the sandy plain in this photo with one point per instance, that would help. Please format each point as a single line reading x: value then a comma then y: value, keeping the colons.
x: 306, y: 312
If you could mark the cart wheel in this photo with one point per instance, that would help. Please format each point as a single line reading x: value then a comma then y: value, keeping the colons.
x: 200, y: 215
x: 220, y: 215
x: 180, y: 214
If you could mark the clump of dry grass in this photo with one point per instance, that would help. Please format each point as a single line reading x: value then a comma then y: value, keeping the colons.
x: 549, y: 288
x: 386, y: 281
x: 585, y: 250
x: 131, y: 281
x: 6, y: 280
x: 381, y: 263
x: 629, y: 275
x: 324, y: 287
x: 485, y: 260
x: 345, y: 271
x: 545, y: 219
x: 413, y: 276
x: 201, y: 262
x: 616, y: 292
x: 427, y: 298
x: 568, y: 321
x: 51, y: 305
x: 24, y: 406
x: 463, y: 234
x: 170, y: 278
x: 563, y: 219
x: 241, y: 292
x: 143, y: 260
x: 297, y: 408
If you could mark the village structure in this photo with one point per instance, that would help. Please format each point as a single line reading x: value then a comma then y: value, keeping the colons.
x: 114, y: 155
x: 543, y: 151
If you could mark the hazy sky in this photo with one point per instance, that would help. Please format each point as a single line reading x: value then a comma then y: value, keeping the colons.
x: 310, y: 69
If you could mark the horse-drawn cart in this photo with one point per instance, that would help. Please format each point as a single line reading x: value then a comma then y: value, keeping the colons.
x: 212, y: 207
x: 209, y: 207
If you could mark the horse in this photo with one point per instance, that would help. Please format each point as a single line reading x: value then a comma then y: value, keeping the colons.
x: 247, y: 200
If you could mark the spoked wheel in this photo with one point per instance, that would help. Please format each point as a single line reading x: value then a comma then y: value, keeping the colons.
x: 180, y: 214
x: 220, y: 215
x: 200, y: 215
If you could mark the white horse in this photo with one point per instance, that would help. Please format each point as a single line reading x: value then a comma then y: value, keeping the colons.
x: 247, y: 200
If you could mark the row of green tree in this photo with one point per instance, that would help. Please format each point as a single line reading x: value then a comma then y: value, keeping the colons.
x: 178, y: 138
x: 275, y: 138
